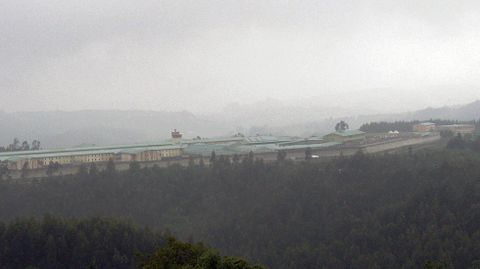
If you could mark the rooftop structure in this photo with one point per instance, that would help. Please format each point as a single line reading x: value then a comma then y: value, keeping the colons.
x: 176, y: 134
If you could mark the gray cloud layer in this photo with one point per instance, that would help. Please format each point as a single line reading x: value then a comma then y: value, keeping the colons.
x: 201, y: 55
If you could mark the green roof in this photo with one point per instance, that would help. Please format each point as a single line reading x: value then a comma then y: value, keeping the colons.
x: 85, y: 149
x: 347, y: 133
x: 312, y: 146
x: 305, y: 141
x: 214, y: 140
x: 204, y: 147
x: 267, y: 139
x: 19, y: 155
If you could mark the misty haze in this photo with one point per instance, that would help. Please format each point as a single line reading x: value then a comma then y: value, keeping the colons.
x: 239, y: 134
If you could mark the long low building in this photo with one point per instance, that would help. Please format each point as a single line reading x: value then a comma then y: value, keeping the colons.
x: 122, y: 153
x: 175, y: 148
x: 463, y: 129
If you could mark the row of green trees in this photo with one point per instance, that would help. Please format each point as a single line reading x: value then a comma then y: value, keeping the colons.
x: 461, y: 142
x: 25, y: 145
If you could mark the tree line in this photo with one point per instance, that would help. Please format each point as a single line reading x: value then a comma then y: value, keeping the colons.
x: 461, y: 142
x: 58, y: 243
x: 101, y: 243
x: 24, y: 146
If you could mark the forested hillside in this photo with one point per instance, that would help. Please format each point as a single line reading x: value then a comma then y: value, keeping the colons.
x: 55, y: 243
x: 100, y: 243
x: 385, y: 211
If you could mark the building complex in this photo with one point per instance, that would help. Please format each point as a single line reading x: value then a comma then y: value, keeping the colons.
x: 178, y: 149
x: 174, y: 148
x: 463, y: 129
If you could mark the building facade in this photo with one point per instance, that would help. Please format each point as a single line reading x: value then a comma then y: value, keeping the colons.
x: 128, y: 153
x: 424, y: 127
x: 463, y: 129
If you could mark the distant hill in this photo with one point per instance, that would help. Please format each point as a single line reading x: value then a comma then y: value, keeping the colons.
x: 100, y: 127
x: 106, y: 127
x: 469, y: 111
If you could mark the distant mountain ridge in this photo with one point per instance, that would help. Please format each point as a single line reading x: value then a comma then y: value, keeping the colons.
x: 105, y: 127
x: 100, y: 127
x: 469, y: 111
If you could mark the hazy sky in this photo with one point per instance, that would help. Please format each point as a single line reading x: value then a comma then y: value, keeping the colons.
x: 202, y: 55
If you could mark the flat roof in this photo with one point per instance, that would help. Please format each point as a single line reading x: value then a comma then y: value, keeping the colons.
x: 264, y: 139
x: 113, y: 147
x: 221, y: 145
x: 457, y: 125
x: 426, y: 123
x: 207, y: 149
x: 312, y: 146
x: 49, y: 154
x: 212, y: 140
x: 347, y: 133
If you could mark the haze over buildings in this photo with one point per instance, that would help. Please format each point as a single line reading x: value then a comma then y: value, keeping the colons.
x: 200, y: 56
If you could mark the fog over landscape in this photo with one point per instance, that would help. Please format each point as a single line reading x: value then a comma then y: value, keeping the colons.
x: 356, y: 57
x: 58, y: 129
x: 239, y: 134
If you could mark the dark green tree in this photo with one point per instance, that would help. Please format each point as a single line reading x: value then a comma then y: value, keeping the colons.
x: 93, y: 169
x: 213, y: 157
x: 308, y: 154
x: 341, y: 126
x: 52, y: 168
x: 110, y: 168
x: 187, y: 255
x: 25, y: 145
x: 24, y: 170
x: 281, y: 156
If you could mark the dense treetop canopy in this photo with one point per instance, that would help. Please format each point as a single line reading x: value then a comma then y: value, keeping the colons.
x: 364, y: 211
